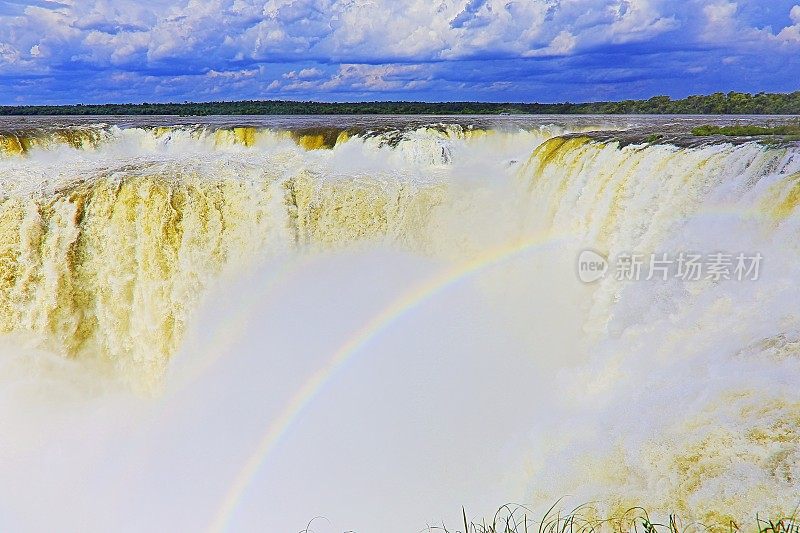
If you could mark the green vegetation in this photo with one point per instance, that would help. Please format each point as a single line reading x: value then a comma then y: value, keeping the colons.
x: 731, y: 103
x: 654, y: 138
x: 747, y: 131
x: 517, y: 519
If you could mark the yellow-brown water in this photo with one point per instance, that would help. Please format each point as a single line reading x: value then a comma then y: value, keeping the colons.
x: 192, y: 276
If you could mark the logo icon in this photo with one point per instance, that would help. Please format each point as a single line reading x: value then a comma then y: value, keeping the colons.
x: 592, y: 266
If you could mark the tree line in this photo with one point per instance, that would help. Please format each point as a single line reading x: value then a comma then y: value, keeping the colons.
x: 731, y: 103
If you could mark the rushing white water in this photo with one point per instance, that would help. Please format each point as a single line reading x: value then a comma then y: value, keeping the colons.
x: 211, y: 327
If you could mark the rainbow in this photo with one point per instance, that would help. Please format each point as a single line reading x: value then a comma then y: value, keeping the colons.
x: 396, y: 309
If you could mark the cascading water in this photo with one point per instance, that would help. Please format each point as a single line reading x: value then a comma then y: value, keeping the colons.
x: 208, y: 283
x: 713, y: 362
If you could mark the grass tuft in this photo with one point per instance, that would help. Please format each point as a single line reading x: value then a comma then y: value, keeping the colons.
x: 512, y: 518
x: 746, y: 131
x: 654, y: 138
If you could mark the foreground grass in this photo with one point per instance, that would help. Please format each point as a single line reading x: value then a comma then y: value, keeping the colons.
x: 519, y: 519
x: 746, y: 131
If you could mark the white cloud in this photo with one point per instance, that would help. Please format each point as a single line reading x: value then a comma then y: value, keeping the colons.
x: 791, y: 34
x: 128, y: 31
x: 233, y: 75
x: 639, y: 20
x: 724, y: 24
x: 376, y: 77
x: 354, y: 78
x: 312, y: 46
x: 303, y: 74
x: 721, y: 22
x: 9, y: 54
x: 794, y: 14
x: 562, y: 44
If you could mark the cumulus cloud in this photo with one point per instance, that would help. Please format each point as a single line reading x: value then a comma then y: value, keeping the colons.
x: 721, y: 19
x: 102, y: 32
x: 188, y: 48
x: 792, y: 33
x: 562, y: 44
x: 303, y: 74
x: 725, y: 23
x: 639, y: 20
x: 377, y: 77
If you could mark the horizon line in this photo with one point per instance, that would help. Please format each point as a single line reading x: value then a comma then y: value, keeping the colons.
x: 405, y: 102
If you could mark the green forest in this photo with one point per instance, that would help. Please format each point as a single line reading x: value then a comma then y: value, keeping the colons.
x: 731, y: 103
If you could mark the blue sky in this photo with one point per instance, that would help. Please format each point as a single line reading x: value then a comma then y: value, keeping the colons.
x: 70, y: 51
